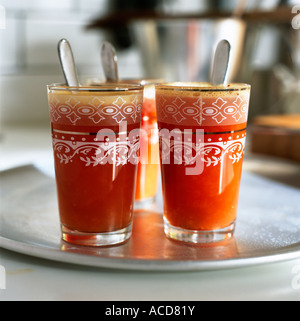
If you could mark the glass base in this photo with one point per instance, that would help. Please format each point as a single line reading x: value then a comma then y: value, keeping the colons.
x: 196, y: 236
x: 144, y: 203
x: 96, y: 239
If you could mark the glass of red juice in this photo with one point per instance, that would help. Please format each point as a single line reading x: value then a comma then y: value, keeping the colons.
x: 96, y: 134
x: 148, y: 166
x: 202, y: 138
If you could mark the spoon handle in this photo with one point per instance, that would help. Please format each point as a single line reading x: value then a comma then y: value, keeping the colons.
x: 67, y: 63
x: 109, y: 62
x: 220, y: 64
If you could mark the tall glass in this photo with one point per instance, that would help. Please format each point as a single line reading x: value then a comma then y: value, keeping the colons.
x: 202, y: 139
x: 148, y: 167
x: 95, y: 131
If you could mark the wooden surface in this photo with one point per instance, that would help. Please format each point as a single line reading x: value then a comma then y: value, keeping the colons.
x: 282, y: 14
x: 276, y: 135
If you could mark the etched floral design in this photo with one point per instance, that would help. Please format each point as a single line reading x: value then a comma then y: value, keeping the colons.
x: 222, y: 111
x: 97, y: 153
x: 212, y: 154
x: 94, y: 110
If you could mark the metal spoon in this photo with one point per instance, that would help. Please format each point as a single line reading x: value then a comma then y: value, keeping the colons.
x: 109, y: 62
x: 219, y: 75
x: 67, y: 63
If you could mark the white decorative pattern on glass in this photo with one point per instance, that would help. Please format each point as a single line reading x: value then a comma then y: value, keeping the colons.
x: 89, y: 111
x: 199, y: 113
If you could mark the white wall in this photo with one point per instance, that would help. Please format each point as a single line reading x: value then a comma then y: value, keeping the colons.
x: 28, y: 52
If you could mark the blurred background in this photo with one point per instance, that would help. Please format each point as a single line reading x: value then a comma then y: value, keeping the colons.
x: 170, y: 39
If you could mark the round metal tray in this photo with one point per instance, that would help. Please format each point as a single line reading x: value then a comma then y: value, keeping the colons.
x: 268, y: 229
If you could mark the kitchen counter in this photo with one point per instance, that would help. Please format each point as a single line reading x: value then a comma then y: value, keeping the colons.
x: 32, y: 278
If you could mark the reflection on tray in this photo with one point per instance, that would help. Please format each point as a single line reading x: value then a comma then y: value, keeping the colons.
x: 268, y: 229
x: 149, y: 242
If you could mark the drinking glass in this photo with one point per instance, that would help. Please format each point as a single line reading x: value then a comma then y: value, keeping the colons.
x: 95, y: 132
x: 148, y: 166
x: 202, y: 132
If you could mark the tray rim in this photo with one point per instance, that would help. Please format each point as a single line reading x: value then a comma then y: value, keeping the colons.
x: 53, y: 253
x: 79, y: 259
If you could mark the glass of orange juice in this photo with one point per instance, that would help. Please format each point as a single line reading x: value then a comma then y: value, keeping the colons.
x: 202, y: 139
x: 148, y: 166
x: 95, y: 132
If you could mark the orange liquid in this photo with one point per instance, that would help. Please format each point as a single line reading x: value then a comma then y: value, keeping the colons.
x: 201, y: 202
x: 94, y: 198
x: 148, y: 166
x: 95, y: 175
x: 207, y: 201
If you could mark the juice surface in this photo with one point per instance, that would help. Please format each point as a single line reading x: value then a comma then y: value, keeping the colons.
x: 95, y: 174
x: 209, y: 200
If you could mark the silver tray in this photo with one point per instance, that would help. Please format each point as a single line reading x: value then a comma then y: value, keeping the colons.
x: 268, y: 229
